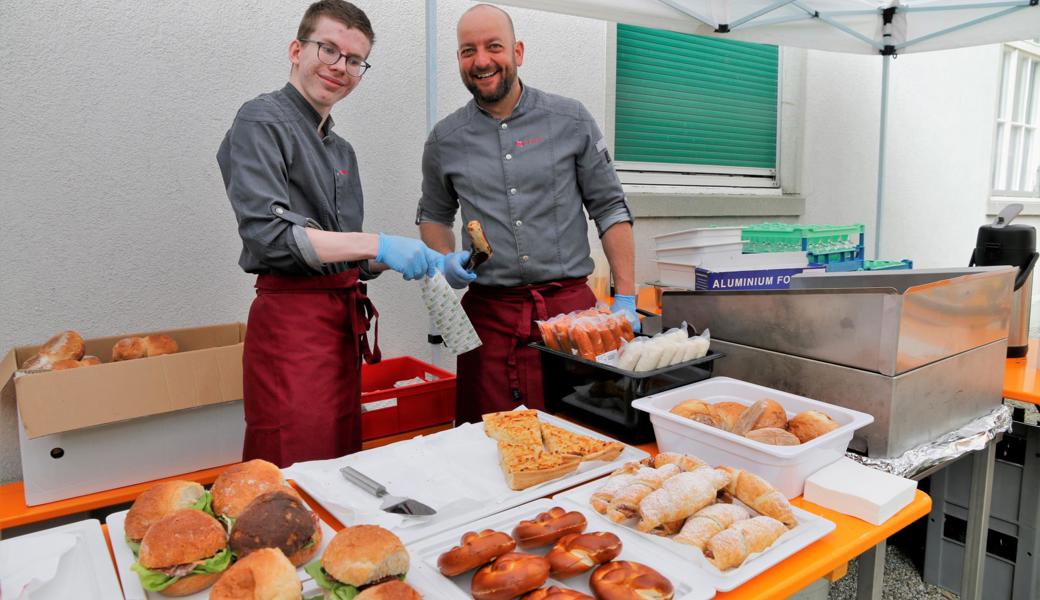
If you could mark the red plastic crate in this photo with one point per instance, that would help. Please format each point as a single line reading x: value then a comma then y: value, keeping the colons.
x: 387, y: 410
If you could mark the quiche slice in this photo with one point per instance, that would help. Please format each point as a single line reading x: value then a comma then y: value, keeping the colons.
x: 528, y: 465
x: 514, y: 427
x: 563, y: 441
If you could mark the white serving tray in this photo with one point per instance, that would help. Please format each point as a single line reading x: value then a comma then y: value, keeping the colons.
x: 785, y: 467
x: 85, y: 572
x: 809, y: 529
x: 132, y: 583
x: 455, y: 471
x: 698, y: 236
x: 689, y: 584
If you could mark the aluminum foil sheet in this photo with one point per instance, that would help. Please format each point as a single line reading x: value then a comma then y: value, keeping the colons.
x: 972, y: 437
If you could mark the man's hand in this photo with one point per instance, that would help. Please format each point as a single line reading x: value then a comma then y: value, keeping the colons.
x: 626, y: 305
x: 409, y: 257
x: 455, y: 271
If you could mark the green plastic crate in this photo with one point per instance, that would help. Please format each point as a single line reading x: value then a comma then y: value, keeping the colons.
x: 887, y: 265
x: 815, y: 239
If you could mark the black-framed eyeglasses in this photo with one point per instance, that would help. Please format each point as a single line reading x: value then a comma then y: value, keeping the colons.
x: 331, y: 55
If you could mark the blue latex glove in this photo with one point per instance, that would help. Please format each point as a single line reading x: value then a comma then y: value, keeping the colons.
x: 627, y: 306
x: 455, y: 270
x: 408, y: 256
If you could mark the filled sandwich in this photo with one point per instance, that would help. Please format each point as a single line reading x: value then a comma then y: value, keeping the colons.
x: 183, y: 553
x: 359, y: 558
x: 239, y: 484
x: 158, y: 501
x: 280, y: 520
x: 265, y: 574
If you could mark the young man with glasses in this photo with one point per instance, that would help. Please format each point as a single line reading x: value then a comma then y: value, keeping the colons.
x: 528, y: 165
x: 295, y: 190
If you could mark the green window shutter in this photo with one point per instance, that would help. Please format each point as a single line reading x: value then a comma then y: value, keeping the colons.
x: 687, y: 99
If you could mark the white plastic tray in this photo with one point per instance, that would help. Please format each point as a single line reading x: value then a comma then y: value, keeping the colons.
x: 132, y: 583
x: 785, y: 467
x: 455, y: 471
x: 709, y: 254
x: 700, y: 235
x: 85, y: 572
x: 809, y: 529
x: 689, y: 583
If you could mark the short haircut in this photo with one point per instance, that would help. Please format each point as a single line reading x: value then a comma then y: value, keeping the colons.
x: 339, y: 10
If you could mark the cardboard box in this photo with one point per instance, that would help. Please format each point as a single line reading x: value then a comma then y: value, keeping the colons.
x: 95, y: 428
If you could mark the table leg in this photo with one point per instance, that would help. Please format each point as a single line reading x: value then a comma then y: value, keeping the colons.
x: 870, y: 581
x: 978, y: 522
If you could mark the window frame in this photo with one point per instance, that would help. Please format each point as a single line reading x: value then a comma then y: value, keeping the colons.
x: 1004, y: 121
x: 648, y: 177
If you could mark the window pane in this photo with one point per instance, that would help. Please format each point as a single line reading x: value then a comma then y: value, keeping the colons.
x: 1025, y: 179
x: 1014, y: 157
x: 685, y: 99
x: 1020, y: 87
x: 1005, y: 73
x: 1000, y: 156
x: 1031, y: 108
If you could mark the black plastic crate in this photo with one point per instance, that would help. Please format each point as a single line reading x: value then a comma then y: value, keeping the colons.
x: 602, y: 396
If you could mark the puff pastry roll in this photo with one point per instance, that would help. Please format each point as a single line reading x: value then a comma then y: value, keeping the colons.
x: 626, y: 501
x: 680, y: 496
x: 685, y: 462
x: 731, y: 547
x: 759, y: 495
x: 709, y: 521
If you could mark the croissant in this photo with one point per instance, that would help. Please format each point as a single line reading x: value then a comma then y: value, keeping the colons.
x: 759, y: 495
x: 626, y: 501
x: 731, y: 547
x: 708, y: 521
x: 680, y: 496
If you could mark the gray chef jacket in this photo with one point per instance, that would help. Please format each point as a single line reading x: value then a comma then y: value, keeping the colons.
x: 276, y: 165
x: 526, y: 179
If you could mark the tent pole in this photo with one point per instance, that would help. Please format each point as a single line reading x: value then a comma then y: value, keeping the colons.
x: 434, y: 336
x: 887, y: 61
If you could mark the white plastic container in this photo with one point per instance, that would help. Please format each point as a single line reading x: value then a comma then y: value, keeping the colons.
x: 698, y: 237
x: 785, y: 467
x: 677, y: 274
x: 707, y: 253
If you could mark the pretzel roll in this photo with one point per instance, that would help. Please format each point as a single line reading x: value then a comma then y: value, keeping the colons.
x: 625, y: 580
x: 512, y: 574
x: 811, y: 424
x: 557, y: 593
x: 578, y: 552
x: 474, y: 550
x: 548, y: 527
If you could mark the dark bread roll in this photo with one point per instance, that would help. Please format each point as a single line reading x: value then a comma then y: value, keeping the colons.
x: 626, y: 580
x: 512, y: 574
x: 474, y: 550
x: 277, y: 520
x: 578, y: 552
x: 548, y: 527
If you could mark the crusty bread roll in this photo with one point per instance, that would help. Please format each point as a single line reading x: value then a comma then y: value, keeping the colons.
x: 548, y: 527
x: 181, y: 537
x: 773, y: 436
x: 730, y: 413
x: 764, y: 413
x: 699, y: 411
x: 474, y: 550
x: 395, y: 589
x: 130, y: 348
x: 811, y: 424
x: 265, y: 574
x: 70, y: 363
x: 158, y: 501
x: 364, y: 553
x: 557, y: 593
x: 240, y: 484
x: 89, y: 360
x: 625, y: 580
x: 67, y: 345
x: 509, y: 576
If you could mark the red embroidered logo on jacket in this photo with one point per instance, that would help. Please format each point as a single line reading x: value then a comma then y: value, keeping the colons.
x: 529, y: 142
x: 344, y: 171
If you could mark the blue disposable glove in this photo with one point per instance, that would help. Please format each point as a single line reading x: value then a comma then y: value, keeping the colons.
x: 408, y: 256
x: 455, y: 270
x: 627, y: 306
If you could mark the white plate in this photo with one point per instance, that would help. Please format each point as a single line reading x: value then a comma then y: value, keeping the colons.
x: 689, y: 583
x: 85, y: 571
x: 455, y: 471
x: 132, y: 583
x: 809, y: 529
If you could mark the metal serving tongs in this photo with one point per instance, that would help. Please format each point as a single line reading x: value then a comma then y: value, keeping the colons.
x: 391, y: 504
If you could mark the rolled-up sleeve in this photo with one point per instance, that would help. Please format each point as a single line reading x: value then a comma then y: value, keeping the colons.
x: 253, y: 163
x: 438, y: 203
x: 601, y: 190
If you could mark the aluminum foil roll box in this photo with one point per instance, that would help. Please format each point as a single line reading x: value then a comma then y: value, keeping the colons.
x: 922, y: 351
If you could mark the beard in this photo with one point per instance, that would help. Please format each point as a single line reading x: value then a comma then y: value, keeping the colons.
x: 505, y: 84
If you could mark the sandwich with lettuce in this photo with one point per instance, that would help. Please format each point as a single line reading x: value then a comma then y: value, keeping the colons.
x: 183, y: 553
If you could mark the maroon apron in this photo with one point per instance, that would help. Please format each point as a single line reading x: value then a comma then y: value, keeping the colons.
x: 304, y: 343
x: 503, y: 372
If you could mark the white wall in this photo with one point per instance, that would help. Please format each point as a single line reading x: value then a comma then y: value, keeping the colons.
x: 114, y: 215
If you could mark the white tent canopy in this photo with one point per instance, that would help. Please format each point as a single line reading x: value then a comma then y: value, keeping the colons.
x: 838, y: 25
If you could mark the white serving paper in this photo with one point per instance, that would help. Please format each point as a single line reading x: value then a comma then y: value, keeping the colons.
x: 455, y: 471
x: 447, y: 314
x: 853, y: 489
x: 70, y: 561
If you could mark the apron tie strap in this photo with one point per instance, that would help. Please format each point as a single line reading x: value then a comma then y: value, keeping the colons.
x: 365, y: 313
x: 522, y: 333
